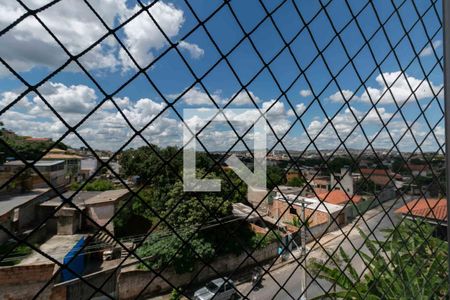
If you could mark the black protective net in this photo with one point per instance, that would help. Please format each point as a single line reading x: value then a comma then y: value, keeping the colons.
x: 92, y: 115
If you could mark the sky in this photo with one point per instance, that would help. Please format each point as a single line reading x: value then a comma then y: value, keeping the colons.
x: 289, y: 59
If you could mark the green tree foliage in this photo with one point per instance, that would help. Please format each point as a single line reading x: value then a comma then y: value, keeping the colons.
x: 296, y: 181
x: 413, y: 266
x: 188, y: 208
x: 365, y: 186
x: 98, y: 185
x: 337, y: 163
x: 275, y: 176
x: 233, y: 187
x: 28, y: 150
x: 422, y: 180
x: 163, y: 249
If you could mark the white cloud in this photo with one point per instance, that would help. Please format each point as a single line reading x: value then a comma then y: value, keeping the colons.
x: 401, y: 90
x: 342, y: 96
x: 428, y: 50
x: 195, y: 96
x: 401, y: 87
x: 243, y: 98
x: 105, y: 129
x: 305, y: 93
x: 28, y: 45
x: 194, y: 50
x: 74, y: 99
x: 300, y: 108
x: 143, y: 36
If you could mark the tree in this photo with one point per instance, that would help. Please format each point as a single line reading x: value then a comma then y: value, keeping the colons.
x: 275, y: 176
x: 163, y: 249
x: 97, y: 185
x: 296, y: 181
x: 338, y: 163
x: 191, y: 208
x: 413, y: 265
x: 365, y: 185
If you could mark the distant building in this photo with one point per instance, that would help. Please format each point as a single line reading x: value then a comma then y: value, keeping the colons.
x: 418, y: 169
x: 382, y: 177
x: 52, y: 171
x: 99, y: 206
x: 37, y: 139
x: 343, y: 180
x: 88, y: 165
x: 430, y: 210
x: 321, y: 216
x: 338, y: 197
x: 321, y: 183
x: 72, y: 162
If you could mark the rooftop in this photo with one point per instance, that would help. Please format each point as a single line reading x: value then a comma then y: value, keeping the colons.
x: 108, y: 196
x: 40, y: 163
x: 79, y: 199
x: 62, y: 156
x: 57, y: 247
x: 10, y: 202
x: 338, y: 197
x: 312, y: 203
x: 430, y: 208
x: 244, y: 211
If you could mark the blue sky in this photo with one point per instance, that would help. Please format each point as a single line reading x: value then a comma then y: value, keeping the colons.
x: 34, y: 54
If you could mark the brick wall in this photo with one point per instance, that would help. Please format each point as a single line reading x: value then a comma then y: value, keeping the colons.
x: 23, y: 282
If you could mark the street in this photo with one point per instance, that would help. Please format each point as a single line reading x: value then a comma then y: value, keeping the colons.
x: 289, y: 276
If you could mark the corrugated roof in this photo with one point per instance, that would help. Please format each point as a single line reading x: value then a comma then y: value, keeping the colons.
x: 61, y: 156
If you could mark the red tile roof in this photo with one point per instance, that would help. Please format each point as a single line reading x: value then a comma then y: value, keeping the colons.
x: 420, y: 168
x: 36, y: 139
x: 380, y: 172
x: 338, y: 197
x: 430, y: 208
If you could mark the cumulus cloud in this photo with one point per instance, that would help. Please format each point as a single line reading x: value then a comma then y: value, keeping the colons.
x: 243, y: 98
x: 74, y: 99
x: 342, y: 96
x: 194, y: 50
x: 428, y: 50
x: 29, y: 46
x: 305, y: 93
x: 196, y: 96
x: 401, y: 89
x: 105, y: 129
x: 393, y: 86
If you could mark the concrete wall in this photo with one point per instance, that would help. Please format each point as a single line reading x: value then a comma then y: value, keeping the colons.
x: 77, y: 289
x: 24, y: 282
x: 102, y: 213
x: 131, y: 282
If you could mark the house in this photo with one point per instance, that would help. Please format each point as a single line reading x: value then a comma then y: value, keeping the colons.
x: 338, y: 197
x: 430, y: 210
x: 321, y: 216
x: 19, y: 212
x: 72, y: 162
x: 382, y: 177
x: 100, y: 207
x: 343, y: 180
x: 321, y: 183
x: 52, y: 171
x: 419, y: 169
